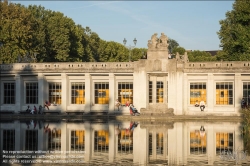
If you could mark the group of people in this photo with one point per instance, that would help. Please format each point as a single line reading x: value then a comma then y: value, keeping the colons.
x: 39, y: 111
x: 244, y: 103
x: 201, y: 104
x: 132, y: 109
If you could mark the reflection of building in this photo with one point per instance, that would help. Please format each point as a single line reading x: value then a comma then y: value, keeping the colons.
x: 155, y: 84
x: 153, y: 143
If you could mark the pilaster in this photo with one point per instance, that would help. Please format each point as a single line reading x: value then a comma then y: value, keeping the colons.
x: 87, y: 92
x: 112, y: 143
x: 64, y: 92
x: 18, y: 95
x: 210, y: 93
x: 41, y: 89
x: 111, y: 93
x: 88, y: 142
x: 238, y: 92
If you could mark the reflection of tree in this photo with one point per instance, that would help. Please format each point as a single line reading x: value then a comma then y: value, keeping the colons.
x: 246, y: 129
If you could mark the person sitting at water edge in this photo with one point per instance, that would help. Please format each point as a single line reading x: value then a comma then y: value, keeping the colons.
x: 46, y: 104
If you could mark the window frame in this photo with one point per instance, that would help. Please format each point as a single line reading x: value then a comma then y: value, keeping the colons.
x: 57, y: 97
x: 97, y: 95
x: 37, y: 92
x: 223, y: 95
x: 129, y: 90
x: 199, y: 85
x: 75, y: 97
x: 3, y: 92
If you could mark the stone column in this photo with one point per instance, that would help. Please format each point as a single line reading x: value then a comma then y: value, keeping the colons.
x: 88, y: 92
x: 139, y: 89
x: 165, y: 144
x: 64, y: 92
x: 17, y: 125
x: 112, y: 143
x: 19, y: 93
x: 210, y: 144
x: 88, y: 142
x: 140, y: 146
x: 211, y: 98
x: 172, y: 91
x: 112, y: 90
x: 179, y: 93
x: 185, y: 94
x: 238, y: 89
x: 41, y: 89
x: 64, y: 137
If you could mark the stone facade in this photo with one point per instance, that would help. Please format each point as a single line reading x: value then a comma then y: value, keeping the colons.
x: 171, y: 82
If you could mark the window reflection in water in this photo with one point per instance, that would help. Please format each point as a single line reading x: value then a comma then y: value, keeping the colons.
x: 101, y: 141
x: 54, y: 142
x: 9, y: 140
x: 156, y: 145
x: 125, y: 141
x: 31, y: 140
x: 77, y: 140
x: 224, y: 142
x: 198, y: 142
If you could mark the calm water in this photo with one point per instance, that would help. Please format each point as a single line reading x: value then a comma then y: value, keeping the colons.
x: 121, y: 143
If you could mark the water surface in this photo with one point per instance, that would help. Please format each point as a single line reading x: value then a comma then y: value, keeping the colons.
x: 121, y: 143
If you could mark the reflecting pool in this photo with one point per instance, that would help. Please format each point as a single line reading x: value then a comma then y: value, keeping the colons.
x: 122, y: 143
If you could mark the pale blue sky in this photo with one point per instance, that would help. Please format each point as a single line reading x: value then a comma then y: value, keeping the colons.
x: 193, y: 24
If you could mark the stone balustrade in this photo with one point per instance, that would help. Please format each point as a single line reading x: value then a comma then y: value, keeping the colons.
x: 104, y: 66
x: 217, y: 64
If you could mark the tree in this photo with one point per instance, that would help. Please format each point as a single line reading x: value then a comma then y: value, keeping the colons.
x: 178, y: 49
x: 235, y: 32
x: 172, y: 44
x: 199, y: 56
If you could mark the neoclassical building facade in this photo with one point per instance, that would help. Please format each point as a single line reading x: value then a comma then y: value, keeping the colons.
x: 156, y: 84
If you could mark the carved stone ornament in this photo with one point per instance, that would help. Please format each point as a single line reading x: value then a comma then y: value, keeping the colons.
x: 158, y: 43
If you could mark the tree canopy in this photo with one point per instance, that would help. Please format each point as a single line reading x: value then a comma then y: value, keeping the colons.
x: 53, y: 37
x: 235, y: 32
x: 34, y: 33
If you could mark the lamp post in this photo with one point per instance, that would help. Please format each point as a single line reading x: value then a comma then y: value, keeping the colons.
x: 129, y: 47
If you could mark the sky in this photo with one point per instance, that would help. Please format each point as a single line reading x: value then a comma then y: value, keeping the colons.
x: 193, y: 24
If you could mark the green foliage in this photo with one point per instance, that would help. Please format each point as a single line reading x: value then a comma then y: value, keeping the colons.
x: 235, y: 32
x: 199, y: 56
x: 54, y: 37
x: 172, y: 44
x: 178, y: 49
x: 246, y: 128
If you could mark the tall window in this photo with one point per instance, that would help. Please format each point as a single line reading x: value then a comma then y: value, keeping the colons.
x: 31, y: 140
x: 246, y: 91
x: 159, y: 92
x: 32, y: 93
x: 101, y: 143
x: 77, y: 93
x: 198, y: 92
x: 150, y: 91
x: 198, y: 142
x: 125, y: 141
x: 9, y: 93
x: 9, y: 140
x: 125, y: 92
x: 54, y: 142
x: 77, y: 140
x: 224, y: 93
x: 55, y: 90
x: 156, y: 144
x: 224, y: 142
x: 101, y: 93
